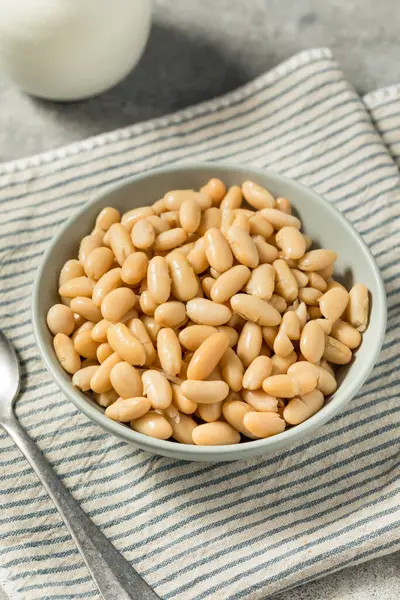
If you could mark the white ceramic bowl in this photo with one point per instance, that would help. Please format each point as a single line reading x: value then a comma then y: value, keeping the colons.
x: 321, y: 220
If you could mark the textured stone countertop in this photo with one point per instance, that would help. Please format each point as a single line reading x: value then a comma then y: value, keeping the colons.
x: 198, y: 50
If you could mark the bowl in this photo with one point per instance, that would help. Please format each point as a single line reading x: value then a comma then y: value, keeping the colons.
x: 322, y: 221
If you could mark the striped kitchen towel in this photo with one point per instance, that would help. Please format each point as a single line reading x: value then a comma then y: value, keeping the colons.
x: 210, y: 531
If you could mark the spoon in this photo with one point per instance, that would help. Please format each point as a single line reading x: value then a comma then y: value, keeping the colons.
x: 113, y: 575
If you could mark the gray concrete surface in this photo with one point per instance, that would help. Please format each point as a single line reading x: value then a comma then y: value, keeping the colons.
x: 198, y: 50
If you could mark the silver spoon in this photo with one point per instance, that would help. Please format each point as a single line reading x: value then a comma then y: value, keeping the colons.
x: 114, y: 576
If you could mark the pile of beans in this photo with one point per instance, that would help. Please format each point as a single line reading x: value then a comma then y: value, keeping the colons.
x: 204, y: 319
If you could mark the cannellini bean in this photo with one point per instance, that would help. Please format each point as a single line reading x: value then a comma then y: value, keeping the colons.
x: 326, y: 273
x: 317, y: 282
x: 217, y: 433
x: 241, y: 220
x: 154, y: 425
x: 254, y: 309
x: 197, y: 257
x: 300, y: 277
x: 71, y: 270
x: 283, y: 204
x: 86, y: 308
x: 147, y: 303
x: 263, y: 424
x: 326, y: 382
x: 175, y: 198
x: 134, y: 269
x: 192, y: 337
x: 243, y: 247
x: 107, y: 217
x: 143, y: 234
x: 257, y: 196
x: 158, y: 279
x: 291, y: 241
x: 85, y: 345
x: 232, y: 334
x: 87, y: 245
x: 229, y: 283
x: 266, y: 252
x: 152, y: 327
x: 218, y: 252
x: 310, y: 296
x: 60, y: 319
x: 157, y: 389
x: 249, y: 343
x: 259, y: 369
x: 358, y: 307
x: 326, y: 325
x: 207, y: 356
x: 182, y: 428
x: 290, y: 385
x: 159, y: 224
x: 291, y: 325
x: 205, y: 392
x: 260, y: 401
x: 190, y: 215
x: 269, y: 334
x: 138, y: 329
x: 232, y: 199
x: 120, y: 242
x: 101, y: 381
x: 169, y: 351
x: 210, y: 412
x: 81, y: 379
x: 346, y: 334
x: 282, y: 344
x: 126, y: 381
x: 333, y: 303
x: 312, y: 341
x: 285, y: 282
x: 107, y: 283
x: 215, y: 188
x: 227, y: 219
x: 136, y: 214
x: 315, y: 260
x: 314, y: 312
x: 300, y: 409
x: 260, y: 226
x: 106, y: 398
x: 234, y: 412
x: 336, y: 352
x: 126, y: 409
x: 171, y: 217
x: 170, y: 314
x: 66, y: 353
x: 183, y: 404
x: 103, y: 352
x: 99, y: 331
x: 206, y: 312
x: 98, y: 262
x: 79, y: 286
x: 170, y: 239
x: 261, y: 282
x: 281, y: 365
x: 125, y: 344
x: 231, y: 370
x: 280, y: 219
x: 184, y: 283
x: 117, y: 303
x: 211, y: 218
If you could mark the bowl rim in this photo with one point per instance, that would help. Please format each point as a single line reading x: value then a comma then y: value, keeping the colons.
x: 163, y: 447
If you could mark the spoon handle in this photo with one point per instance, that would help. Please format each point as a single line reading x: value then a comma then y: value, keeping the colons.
x: 114, y: 576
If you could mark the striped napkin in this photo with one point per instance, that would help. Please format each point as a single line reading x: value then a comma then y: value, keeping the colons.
x: 194, y: 530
